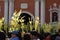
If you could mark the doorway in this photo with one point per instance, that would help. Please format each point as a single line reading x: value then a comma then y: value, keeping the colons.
x: 26, y: 17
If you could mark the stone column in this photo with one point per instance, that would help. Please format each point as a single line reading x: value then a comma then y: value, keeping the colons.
x: 59, y: 14
x: 6, y: 12
x: 50, y: 14
x: 36, y: 8
x: 11, y: 8
x: 42, y: 12
x: 50, y: 17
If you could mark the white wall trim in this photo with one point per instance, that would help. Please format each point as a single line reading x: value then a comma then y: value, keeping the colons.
x: 42, y: 12
x: 53, y: 9
x: 24, y: 5
x: 36, y: 8
x: 6, y: 12
x: 11, y: 8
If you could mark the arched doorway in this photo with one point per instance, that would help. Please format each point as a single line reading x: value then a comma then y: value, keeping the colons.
x: 26, y: 17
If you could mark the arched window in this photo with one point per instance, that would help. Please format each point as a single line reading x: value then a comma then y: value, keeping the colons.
x: 54, y: 17
x: 54, y: 13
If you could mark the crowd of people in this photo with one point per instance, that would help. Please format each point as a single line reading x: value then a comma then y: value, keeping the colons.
x: 33, y: 35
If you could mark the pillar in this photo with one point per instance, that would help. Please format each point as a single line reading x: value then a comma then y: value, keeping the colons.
x: 36, y: 8
x: 5, y: 11
x: 42, y: 12
x: 11, y: 8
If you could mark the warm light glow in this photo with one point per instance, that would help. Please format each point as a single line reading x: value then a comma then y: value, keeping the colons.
x: 19, y: 13
x: 47, y: 28
x: 36, y: 23
x: 15, y: 19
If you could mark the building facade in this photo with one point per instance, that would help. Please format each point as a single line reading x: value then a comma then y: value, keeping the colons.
x: 47, y: 10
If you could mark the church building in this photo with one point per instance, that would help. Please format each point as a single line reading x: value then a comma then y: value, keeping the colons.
x: 48, y: 11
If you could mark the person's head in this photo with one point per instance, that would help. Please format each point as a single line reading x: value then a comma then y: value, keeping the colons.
x: 14, y: 33
x: 59, y: 32
x: 27, y: 37
x: 47, y: 35
x: 34, y: 34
